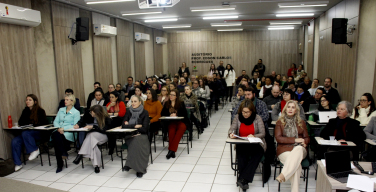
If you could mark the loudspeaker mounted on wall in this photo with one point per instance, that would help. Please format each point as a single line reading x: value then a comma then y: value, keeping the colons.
x: 82, y: 30
x: 339, y: 31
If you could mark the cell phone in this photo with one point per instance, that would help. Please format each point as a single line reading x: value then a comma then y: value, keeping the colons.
x: 343, y: 143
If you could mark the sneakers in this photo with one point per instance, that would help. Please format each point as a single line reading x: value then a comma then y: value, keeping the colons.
x: 34, y: 155
x: 17, y: 167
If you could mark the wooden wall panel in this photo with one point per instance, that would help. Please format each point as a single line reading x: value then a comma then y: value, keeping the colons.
x: 374, y: 82
x: 158, y: 52
x: 309, y: 65
x: 69, y: 72
x: 18, y: 74
x: 278, y: 49
x: 102, y: 54
x: 124, y: 39
x: 139, y: 54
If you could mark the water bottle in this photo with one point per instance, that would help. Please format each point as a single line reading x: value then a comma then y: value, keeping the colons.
x: 10, y: 122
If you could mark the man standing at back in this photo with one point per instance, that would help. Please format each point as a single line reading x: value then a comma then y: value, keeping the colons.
x: 260, y: 67
x: 332, y: 93
x: 221, y: 69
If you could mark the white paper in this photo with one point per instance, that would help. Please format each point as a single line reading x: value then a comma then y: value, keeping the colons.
x: 16, y: 128
x: 244, y: 138
x: 329, y: 142
x: 40, y: 127
x: 171, y: 117
x: 323, y: 162
x: 360, y: 182
x: 254, y: 140
x: 122, y: 130
x: 79, y: 129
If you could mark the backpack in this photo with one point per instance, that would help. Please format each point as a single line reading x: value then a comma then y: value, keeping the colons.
x: 6, y: 167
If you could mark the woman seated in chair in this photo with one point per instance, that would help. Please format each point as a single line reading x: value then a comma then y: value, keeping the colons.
x: 176, y: 129
x: 33, y: 115
x: 288, y: 95
x: 190, y: 100
x: 99, y: 98
x: 154, y: 108
x: 138, y: 145
x: 370, y: 131
x: 365, y: 110
x: 116, y: 108
x: 292, y: 138
x: 163, y: 97
x: 343, y: 128
x: 137, y: 92
x: 65, y: 119
x: 97, y: 124
x: 248, y: 124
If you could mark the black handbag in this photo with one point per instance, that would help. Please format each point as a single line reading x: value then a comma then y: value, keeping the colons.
x: 6, y: 167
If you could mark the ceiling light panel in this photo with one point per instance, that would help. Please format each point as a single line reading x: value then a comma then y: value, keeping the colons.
x: 304, y: 4
x: 221, y: 17
x: 160, y: 20
x: 226, y: 24
x: 213, y: 8
x: 105, y: 1
x: 128, y: 13
x: 280, y: 28
x: 294, y: 14
x: 286, y: 23
x: 176, y: 26
x: 230, y: 30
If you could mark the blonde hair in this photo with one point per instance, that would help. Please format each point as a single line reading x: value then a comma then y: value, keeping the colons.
x: 296, y: 116
x: 72, y: 98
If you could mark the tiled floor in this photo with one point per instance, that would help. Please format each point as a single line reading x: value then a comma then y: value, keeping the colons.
x: 205, y: 168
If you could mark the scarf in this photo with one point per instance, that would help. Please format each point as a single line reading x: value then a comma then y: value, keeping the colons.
x: 135, y: 114
x: 290, y: 130
x: 114, y: 109
x: 94, y: 102
x: 283, y: 103
x: 299, y: 95
x: 247, y: 121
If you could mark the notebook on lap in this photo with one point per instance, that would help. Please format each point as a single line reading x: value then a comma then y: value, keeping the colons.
x: 324, y: 116
x: 338, y: 165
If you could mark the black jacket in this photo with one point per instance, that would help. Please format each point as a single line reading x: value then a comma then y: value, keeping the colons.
x: 182, y: 112
x: 308, y: 101
x: 305, y: 87
x: 333, y: 96
x: 221, y: 71
x: 353, y: 131
x: 25, y: 118
x: 88, y: 119
x: 143, y: 120
x: 180, y: 72
x: 271, y: 100
x: 303, y: 97
x: 76, y: 105
x: 89, y: 99
x: 261, y: 69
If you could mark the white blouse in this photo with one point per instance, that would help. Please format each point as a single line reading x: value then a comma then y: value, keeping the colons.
x: 363, y: 118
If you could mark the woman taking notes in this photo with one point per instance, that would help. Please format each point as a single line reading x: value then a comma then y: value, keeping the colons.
x: 65, y: 119
x: 97, y: 125
x: 138, y: 145
x: 34, y: 115
x: 248, y: 124
x: 175, y: 108
x: 292, y: 138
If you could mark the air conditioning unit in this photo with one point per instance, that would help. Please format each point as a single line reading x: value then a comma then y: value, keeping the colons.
x: 19, y: 16
x: 141, y: 36
x: 104, y: 30
x: 161, y: 40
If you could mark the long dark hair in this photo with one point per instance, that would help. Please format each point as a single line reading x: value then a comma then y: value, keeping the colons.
x: 321, y: 108
x: 154, y: 96
x: 204, y: 82
x: 292, y: 94
x: 212, y: 70
x: 34, y: 110
x: 100, y: 115
x: 372, y: 105
x: 177, y: 101
x: 231, y: 68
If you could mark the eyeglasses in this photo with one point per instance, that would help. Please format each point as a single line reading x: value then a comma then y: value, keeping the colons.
x: 286, y: 94
x: 246, y: 112
x: 324, y: 101
x: 164, y: 90
x: 318, y: 93
x: 362, y: 100
x: 172, y: 95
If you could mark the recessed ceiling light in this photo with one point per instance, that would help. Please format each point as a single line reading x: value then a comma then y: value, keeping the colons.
x: 105, y: 1
x: 126, y: 13
x: 221, y: 17
x: 286, y: 23
x: 294, y: 14
x: 230, y: 30
x: 226, y: 24
x: 176, y: 26
x: 304, y: 4
x: 213, y: 8
x: 160, y: 20
x: 280, y: 28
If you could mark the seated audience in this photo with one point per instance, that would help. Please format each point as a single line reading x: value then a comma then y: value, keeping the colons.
x: 97, y: 125
x: 163, y: 97
x: 283, y: 81
x: 261, y: 83
x: 330, y: 91
x: 273, y: 76
x: 186, y: 77
x: 285, y: 84
x: 292, y: 86
x: 176, y: 81
x: 325, y: 104
x: 168, y: 81
x: 111, y: 88
x: 307, y: 84
x: 293, y: 68
x: 92, y: 95
x: 314, y: 86
x: 190, y: 100
x: 205, y: 93
x: 274, y: 98
x: 155, y: 88
x: 62, y: 104
x: 192, y: 78
x: 172, y: 87
x: 365, y: 110
x: 133, y: 90
x: 175, y: 108
x: 301, y: 78
x: 34, y: 115
x: 292, y: 140
x: 148, y: 85
x: 247, y: 123
x: 66, y: 117
x: 155, y: 81
x: 370, y: 131
x: 313, y: 100
x: 238, y: 79
x: 300, y: 70
x: 116, y: 108
x: 279, y: 78
x: 121, y: 92
x: 182, y: 85
x: 98, y: 99
x: 301, y: 95
x: 138, y: 145
x: 288, y: 95
x: 294, y: 76
x: 344, y: 128
x: 139, y: 93
x: 128, y: 87
x: 268, y: 85
x: 239, y: 96
x: 154, y: 108
x: 255, y: 79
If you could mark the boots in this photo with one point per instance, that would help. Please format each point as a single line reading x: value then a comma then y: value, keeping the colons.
x: 78, y: 159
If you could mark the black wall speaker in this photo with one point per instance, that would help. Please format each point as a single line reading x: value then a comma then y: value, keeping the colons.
x: 82, y: 29
x: 339, y: 30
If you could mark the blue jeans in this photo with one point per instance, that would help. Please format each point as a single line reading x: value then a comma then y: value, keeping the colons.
x: 27, y: 139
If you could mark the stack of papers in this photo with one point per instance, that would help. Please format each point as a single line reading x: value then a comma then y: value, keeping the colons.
x: 40, y: 127
x: 329, y: 142
x: 360, y: 182
x: 254, y: 140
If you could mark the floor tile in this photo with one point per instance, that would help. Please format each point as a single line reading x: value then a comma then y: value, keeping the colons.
x: 182, y: 167
x: 159, y: 166
x: 94, y: 180
x: 86, y: 188
x: 201, y: 178
x: 205, y: 169
x: 224, y: 188
x: 176, y: 176
x: 61, y: 186
x: 140, y: 184
x: 197, y: 187
x: 225, y: 179
x: 118, y: 182
x: 187, y: 160
x: 154, y: 175
x: 50, y: 176
x: 208, y: 161
x: 107, y: 189
x: 41, y: 183
x: 72, y: 178
x: 169, y: 186
x: 30, y: 174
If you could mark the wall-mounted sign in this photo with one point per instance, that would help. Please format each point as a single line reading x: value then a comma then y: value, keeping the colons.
x: 206, y: 57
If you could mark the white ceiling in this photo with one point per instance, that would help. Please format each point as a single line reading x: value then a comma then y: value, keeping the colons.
x: 246, y: 9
